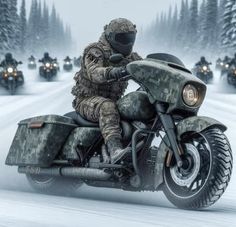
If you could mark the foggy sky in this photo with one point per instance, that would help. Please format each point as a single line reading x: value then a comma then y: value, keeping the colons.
x: 88, y: 17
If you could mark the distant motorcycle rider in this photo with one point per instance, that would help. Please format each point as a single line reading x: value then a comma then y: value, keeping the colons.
x: 98, y: 84
x: 31, y: 58
x: 9, y: 61
x: 77, y: 61
x: 202, y: 62
x: 226, y: 66
x: 226, y: 60
x: 67, y: 59
x: 233, y: 61
x: 218, y: 61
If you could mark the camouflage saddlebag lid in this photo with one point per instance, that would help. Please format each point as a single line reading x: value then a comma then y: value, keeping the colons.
x: 38, y: 140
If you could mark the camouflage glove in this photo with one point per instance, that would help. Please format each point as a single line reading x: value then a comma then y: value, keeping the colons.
x: 117, y: 73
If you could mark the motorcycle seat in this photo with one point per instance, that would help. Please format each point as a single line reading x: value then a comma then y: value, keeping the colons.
x: 78, y: 119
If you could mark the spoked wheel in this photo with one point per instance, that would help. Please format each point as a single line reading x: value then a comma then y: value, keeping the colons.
x: 54, y: 185
x: 205, y: 174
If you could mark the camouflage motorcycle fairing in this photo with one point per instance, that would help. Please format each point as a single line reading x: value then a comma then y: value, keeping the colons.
x: 164, y: 82
x: 195, y: 124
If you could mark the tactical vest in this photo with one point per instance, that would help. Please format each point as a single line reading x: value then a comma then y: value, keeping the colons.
x: 86, y: 88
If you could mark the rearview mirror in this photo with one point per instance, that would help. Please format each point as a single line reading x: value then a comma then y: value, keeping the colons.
x: 116, y: 58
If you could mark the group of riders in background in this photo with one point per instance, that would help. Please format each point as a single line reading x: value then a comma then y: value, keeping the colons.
x: 11, y: 77
x: 227, y: 68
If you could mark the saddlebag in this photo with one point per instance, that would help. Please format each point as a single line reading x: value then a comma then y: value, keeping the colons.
x: 38, y: 140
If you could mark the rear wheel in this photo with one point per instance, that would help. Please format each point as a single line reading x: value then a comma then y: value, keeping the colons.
x: 205, y: 173
x: 54, y: 185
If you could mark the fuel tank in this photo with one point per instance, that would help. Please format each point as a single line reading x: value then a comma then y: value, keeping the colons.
x: 136, y: 106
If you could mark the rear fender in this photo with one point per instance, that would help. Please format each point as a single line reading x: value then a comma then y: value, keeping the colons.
x: 189, y: 125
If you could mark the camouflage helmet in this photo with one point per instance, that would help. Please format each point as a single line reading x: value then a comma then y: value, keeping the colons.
x: 121, y: 34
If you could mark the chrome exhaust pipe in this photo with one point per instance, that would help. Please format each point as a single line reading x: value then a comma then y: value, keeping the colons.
x: 75, y: 172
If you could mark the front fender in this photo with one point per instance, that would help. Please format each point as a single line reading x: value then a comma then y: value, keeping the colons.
x: 197, y: 124
x: 188, y: 125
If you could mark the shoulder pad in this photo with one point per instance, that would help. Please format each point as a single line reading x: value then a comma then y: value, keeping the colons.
x: 95, y: 50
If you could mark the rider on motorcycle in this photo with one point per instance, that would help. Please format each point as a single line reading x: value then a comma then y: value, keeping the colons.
x: 67, y: 59
x: 226, y: 59
x: 226, y: 66
x: 233, y: 61
x: 218, y: 61
x: 202, y: 62
x: 97, y: 83
x: 9, y: 60
x: 31, y: 58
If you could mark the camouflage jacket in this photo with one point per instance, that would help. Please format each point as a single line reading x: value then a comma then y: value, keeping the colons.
x: 91, y: 79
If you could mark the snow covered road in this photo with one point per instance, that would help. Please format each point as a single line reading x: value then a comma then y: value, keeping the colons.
x: 20, y: 206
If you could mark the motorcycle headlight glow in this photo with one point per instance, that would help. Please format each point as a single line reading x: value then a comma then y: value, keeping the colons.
x: 31, y: 62
x: 227, y: 66
x: 55, y: 64
x: 190, y: 95
x: 67, y: 63
x: 204, y: 68
x: 221, y: 63
x: 47, y: 65
x: 10, y: 70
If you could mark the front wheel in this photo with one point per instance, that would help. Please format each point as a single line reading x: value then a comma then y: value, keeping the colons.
x: 205, y: 174
x: 54, y: 185
x: 12, y: 88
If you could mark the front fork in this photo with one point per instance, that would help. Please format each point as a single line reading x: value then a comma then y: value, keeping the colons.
x: 170, y: 129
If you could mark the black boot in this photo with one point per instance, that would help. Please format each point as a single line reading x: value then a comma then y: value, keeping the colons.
x: 116, y: 151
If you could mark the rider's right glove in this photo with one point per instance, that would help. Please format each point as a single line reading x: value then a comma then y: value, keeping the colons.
x: 117, y: 73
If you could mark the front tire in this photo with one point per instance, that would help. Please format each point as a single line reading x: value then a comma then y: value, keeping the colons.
x: 12, y: 88
x: 212, y: 176
x: 54, y: 185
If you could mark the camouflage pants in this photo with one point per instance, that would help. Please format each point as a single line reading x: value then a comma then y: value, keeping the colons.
x: 104, y: 111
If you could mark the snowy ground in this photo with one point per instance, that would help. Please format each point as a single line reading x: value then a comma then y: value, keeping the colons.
x: 20, y: 206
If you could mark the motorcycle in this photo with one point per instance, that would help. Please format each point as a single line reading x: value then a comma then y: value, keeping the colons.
x: 231, y: 76
x: 219, y: 65
x: 56, y: 65
x: 192, y: 163
x: 67, y: 66
x: 225, y: 69
x: 204, y: 73
x: 77, y: 61
x: 48, y: 70
x: 32, y: 64
x: 11, y: 78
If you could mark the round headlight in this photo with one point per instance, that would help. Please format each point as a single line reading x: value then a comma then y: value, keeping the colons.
x: 67, y: 63
x: 10, y: 70
x: 190, y: 95
x: 204, y: 68
x: 221, y: 63
x: 47, y: 65
x: 55, y: 64
x: 227, y: 66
